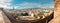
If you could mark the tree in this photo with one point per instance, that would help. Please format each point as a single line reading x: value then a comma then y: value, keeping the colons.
x: 24, y: 14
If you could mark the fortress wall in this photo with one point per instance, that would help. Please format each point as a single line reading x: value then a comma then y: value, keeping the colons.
x: 3, y: 17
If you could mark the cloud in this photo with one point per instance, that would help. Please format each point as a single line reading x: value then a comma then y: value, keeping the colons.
x: 50, y: 5
x: 34, y: 5
x: 28, y: 5
x: 5, y: 3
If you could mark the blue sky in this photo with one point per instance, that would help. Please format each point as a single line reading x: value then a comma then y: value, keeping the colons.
x: 21, y: 4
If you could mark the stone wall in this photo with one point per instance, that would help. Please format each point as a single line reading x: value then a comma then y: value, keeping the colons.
x: 3, y: 17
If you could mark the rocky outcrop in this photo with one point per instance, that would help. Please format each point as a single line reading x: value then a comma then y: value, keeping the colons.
x: 56, y: 18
